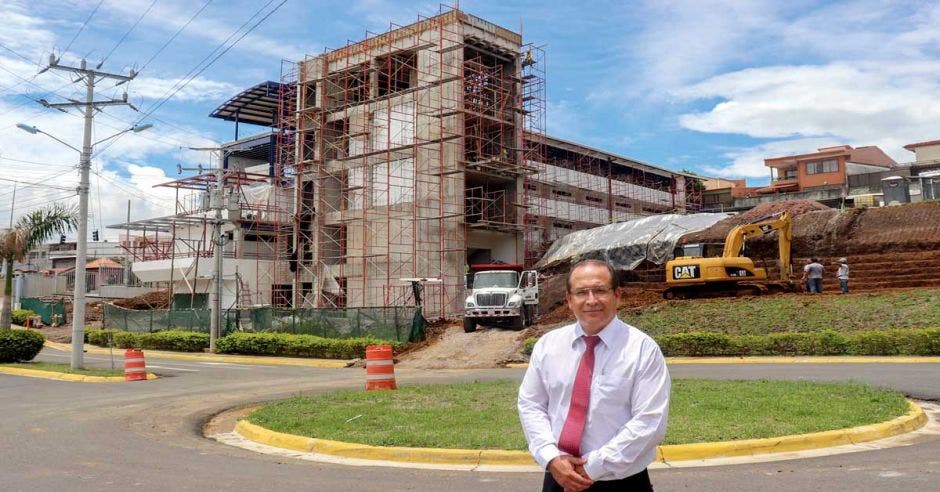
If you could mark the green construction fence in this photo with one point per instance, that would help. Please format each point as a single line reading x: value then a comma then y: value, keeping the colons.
x: 393, y: 323
x: 45, y: 309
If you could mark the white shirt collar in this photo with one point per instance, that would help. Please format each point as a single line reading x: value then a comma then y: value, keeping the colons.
x: 610, y: 334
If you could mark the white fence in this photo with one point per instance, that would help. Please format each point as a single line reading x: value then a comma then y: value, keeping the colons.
x: 40, y: 285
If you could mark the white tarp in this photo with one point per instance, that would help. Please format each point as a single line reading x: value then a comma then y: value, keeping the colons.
x: 626, y: 244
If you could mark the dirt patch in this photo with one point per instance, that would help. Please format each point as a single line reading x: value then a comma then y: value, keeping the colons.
x: 454, y: 349
x: 152, y: 300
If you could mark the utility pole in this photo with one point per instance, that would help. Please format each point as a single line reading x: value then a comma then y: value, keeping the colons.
x: 215, y: 324
x: 90, y: 76
x: 216, y: 203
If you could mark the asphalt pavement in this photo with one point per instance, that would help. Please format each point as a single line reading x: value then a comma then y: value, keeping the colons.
x: 57, y: 435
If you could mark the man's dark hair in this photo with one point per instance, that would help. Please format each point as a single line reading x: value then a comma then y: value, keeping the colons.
x: 814, y: 260
x: 614, y: 279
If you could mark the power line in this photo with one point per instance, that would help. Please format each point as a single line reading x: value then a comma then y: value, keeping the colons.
x: 128, y: 32
x: 196, y: 70
x: 37, y: 202
x: 28, y: 184
x: 190, y: 76
x: 70, y: 166
x: 153, y: 199
x: 177, y: 33
x: 92, y: 14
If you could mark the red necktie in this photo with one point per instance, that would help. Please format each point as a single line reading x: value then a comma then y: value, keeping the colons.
x: 570, y: 439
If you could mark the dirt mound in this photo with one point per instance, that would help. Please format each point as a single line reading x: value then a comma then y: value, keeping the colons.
x: 455, y: 349
x: 152, y: 300
x: 821, y: 231
x: 797, y: 208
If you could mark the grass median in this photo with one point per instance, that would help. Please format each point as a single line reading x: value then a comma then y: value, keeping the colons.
x: 482, y: 415
x: 916, y: 308
x: 65, y: 368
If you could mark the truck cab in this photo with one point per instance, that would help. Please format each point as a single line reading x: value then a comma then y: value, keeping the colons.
x: 500, y: 294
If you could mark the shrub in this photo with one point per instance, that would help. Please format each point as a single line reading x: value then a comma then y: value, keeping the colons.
x: 826, y: 342
x: 98, y: 337
x: 19, y: 316
x: 289, y: 345
x: 529, y: 345
x: 178, y: 340
x: 697, y: 344
x: 19, y: 345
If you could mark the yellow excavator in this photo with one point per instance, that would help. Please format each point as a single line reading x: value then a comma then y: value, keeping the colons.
x: 692, y: 274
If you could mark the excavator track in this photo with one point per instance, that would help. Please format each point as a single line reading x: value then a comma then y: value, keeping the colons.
x: 728, y: 289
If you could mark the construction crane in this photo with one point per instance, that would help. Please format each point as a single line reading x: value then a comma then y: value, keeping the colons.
x: 732, y: 273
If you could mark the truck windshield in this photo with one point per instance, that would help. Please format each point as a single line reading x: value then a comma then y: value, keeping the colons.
x: 506, y: 280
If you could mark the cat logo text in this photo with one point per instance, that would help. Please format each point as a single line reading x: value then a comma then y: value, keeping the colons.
x: 685, y: 272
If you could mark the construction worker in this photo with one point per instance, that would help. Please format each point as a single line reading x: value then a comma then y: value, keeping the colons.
x: 813, y: 276
x: 843, y: 275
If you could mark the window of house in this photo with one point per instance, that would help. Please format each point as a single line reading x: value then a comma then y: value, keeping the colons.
x: 820, y: 167
x: 593, y: 199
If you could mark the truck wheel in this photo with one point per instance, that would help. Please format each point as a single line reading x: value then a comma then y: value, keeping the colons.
x: 469, y: 325
x: 518, y: 322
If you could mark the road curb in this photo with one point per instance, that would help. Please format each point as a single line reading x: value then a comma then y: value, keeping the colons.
x: 848, y: 359
x: 64, y: 376
x: 914, y: 419
x: 232, y: 359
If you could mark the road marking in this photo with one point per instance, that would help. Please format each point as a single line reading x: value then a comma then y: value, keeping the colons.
x: 228, y: 364
x: 172, y: 368
x: 118, y: 359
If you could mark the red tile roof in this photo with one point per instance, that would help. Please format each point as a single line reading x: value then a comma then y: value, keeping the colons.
x: 103, y: 262
x: 871, y: 155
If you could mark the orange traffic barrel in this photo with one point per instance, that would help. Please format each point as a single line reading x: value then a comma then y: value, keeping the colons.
x: 380, y: 368
x: 135, y: 369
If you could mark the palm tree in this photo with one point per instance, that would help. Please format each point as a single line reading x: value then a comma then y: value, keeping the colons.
x: 30, y: 231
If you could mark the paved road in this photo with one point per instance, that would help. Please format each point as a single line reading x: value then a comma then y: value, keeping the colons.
x: 147, y: 436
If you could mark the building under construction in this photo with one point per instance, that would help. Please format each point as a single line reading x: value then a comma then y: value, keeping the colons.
x: 409, y: 154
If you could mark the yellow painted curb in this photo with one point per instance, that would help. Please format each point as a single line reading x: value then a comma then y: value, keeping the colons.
x: 232, y: 359
x: 848, y: 359
x: 914, y: 419
x: 390, y: 453
x: 64, y: 376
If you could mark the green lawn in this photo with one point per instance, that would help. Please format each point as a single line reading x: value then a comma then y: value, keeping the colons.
x: 50, y: 366
x: 916, y: 308
x: 483, y: 415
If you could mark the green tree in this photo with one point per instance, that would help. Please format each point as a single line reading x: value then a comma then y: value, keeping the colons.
x: 30, y: 231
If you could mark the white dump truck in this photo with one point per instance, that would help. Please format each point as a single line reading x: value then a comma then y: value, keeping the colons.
x: 500, y: 294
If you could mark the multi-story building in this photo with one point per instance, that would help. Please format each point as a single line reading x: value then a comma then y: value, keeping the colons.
x: 410, y: 154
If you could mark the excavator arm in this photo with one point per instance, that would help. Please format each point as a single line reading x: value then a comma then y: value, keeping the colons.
x: 734, y: 242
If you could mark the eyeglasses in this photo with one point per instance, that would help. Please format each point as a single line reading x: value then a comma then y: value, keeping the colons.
x: 599, y: 292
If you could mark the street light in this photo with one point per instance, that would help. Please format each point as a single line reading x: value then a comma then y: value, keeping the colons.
x: 81, y: 250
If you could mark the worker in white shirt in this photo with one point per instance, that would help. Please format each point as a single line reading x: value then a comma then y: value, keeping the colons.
x: 595, y: 399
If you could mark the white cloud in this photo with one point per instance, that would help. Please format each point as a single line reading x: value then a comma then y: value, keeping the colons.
x: 121, y: 168
x: 749, y: 162
x: 861, y: 104
x: 170, y: 16
x: 198, y: 89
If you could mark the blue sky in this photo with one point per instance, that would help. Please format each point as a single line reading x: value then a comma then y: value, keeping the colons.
x: 709, y: 86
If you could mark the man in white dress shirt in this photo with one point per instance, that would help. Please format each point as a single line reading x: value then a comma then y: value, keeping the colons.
x: 595, y: 399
